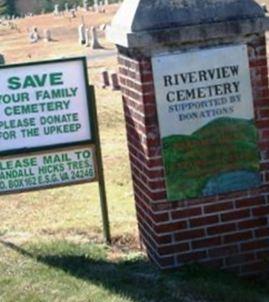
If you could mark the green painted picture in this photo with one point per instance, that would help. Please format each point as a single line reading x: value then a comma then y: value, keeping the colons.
x: 220, y: 157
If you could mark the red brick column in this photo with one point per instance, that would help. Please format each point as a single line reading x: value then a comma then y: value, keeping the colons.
x: 229, y: 231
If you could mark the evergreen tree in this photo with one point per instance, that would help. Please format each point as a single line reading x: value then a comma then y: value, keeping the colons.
x: 3, y: 7
x: 7, y: 7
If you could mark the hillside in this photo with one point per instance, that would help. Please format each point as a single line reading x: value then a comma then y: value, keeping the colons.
x: 223, y: 146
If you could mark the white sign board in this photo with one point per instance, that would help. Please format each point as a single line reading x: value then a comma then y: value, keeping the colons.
x: 197, y: 87
x: 46, y: 170
x: 44, y: 104
x: 206, y: 118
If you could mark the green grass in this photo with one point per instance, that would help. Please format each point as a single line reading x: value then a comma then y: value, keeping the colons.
x: 222, y: 146
x: 64, y: 271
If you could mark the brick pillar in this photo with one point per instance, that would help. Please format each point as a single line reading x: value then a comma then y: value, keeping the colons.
x: 228, y: 231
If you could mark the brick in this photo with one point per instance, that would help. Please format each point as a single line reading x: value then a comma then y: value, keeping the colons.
x: 231, y: 195
x: 223, y: 251
x: 166, y: 262
x: 218, y: 207
x: 202, y: 221
x: 146, y: 239
x: 145, y: 65
x: 170, y: 227
x: 237, y: 237
x: 235, y: 215
x: 186, y: 213
x: 166, y: 239
x: 173, y: 249
x: 263, y: 255
x: 262, y: 232
x: 258, y: 62
x: 255, y: 245
x: 163, y: 217
x: 146, y: 77
x: 221, y: 229
x: 250, y: 202
x: 262, y: 211
x: 263, y: 145
x: 189, y: 234
x: 206, y: 243
x: 240, y: 258
x: 261, y: 102
x: 261, y: 124
x: 252, y: 223
x: 191, y: 257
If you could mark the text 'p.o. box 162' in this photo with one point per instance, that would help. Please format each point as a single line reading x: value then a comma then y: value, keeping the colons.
x: 206, y: 116
x: 46, y: 170
x: 44, y: 104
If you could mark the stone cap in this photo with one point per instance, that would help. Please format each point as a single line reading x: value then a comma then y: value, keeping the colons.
x: 138, y: 20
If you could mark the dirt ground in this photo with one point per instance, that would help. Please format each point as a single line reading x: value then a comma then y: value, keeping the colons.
x: 16, y: 47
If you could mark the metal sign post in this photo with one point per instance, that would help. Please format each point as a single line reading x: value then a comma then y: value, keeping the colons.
x: 100, y: 171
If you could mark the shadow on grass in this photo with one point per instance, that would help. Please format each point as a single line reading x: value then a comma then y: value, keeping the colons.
x: 135, y: 279
x: 140, y: 281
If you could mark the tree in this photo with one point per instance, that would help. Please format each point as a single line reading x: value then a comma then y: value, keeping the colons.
x: 7, y: 7
x: 3, y: 7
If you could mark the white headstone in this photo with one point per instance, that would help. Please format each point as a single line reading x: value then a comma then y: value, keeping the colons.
x: 47, y: 35
x: 86, y: 5
x: 81, y: 34
x: 66, y: 7
x: 87, y: 37
x: 95, y: 43
x: 56, y: 10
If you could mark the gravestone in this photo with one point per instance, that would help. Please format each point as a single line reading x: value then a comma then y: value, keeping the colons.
x: 73, y: 13
x: 81, y: 34
x: 87, y: 37
x: 194, y: 81
x: 56, y: 11
x: 114, y: 82
x: 96, y: 5
x: 86, y: 5
x: 104, y: 79
x: 66, y: 7
x: 95, y: 42
x: 34, y: 35
x: 2, y: 59
x: 47, y: 35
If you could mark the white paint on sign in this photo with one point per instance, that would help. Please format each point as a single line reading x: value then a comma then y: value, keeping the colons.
x: 43, y: 105
x: 196, y: 87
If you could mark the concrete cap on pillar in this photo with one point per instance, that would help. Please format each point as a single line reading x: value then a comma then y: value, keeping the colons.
x: 141, y: 22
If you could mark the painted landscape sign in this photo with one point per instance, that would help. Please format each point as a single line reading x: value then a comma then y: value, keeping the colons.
x: 44, y: 104
x: 206, y: 117
x: 48, y: 169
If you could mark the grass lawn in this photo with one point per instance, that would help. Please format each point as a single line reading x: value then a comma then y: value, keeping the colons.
x: 63, y: 271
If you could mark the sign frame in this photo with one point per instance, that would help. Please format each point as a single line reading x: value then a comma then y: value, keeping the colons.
x: 194, y: 161
x: 56, y: 185
x: 89, y: 102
